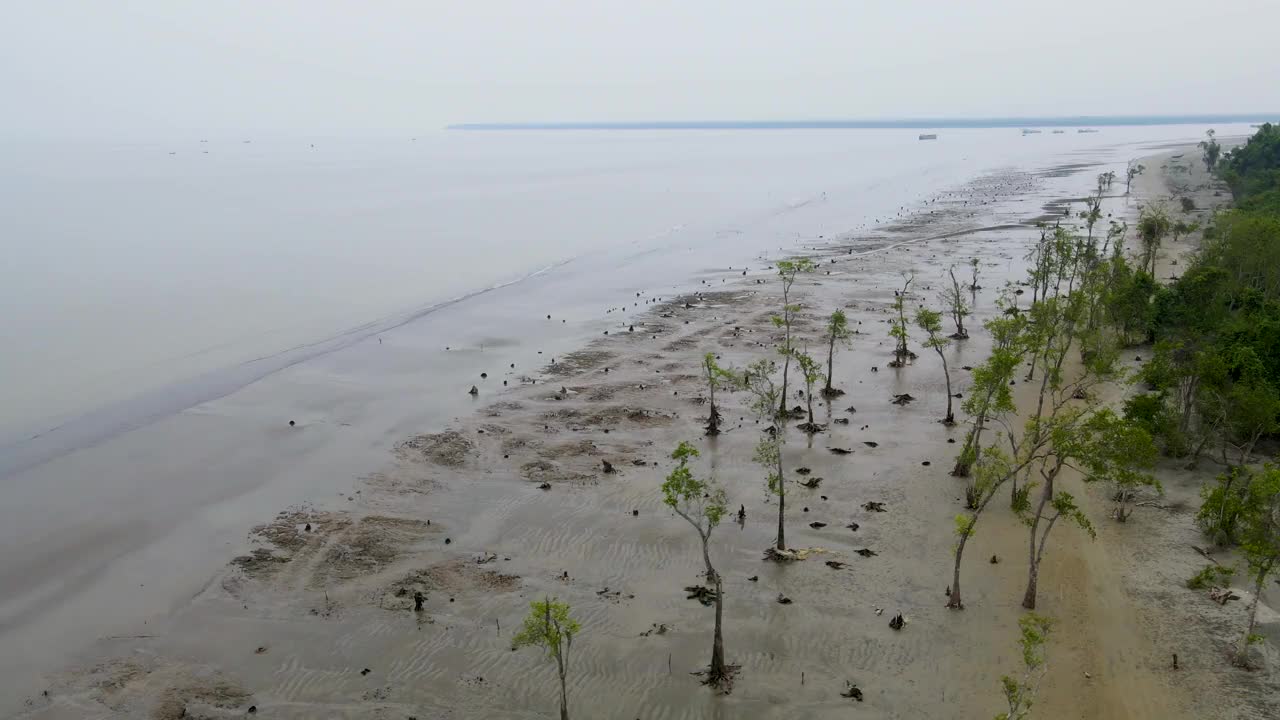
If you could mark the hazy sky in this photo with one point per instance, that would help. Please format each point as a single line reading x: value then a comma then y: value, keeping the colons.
x: 324, y: 66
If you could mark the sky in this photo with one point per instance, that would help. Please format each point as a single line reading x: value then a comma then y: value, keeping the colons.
x: 323, y: 66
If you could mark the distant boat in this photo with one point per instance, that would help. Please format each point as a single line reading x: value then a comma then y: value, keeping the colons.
x: 1027, y: 131
x: 1086, y: 130
x: 1058, y: 132
x: 928, y: 136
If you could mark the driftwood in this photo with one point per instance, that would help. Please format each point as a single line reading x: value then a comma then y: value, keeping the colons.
x: 702, y: 594
x: 1222, y: 596
x: 852, y: 692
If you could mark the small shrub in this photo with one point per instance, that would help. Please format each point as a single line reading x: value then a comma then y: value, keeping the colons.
x: 1188, y: 205
x: 1210, y: 576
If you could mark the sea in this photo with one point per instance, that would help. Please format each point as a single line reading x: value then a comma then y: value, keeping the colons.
x: 144, y: 276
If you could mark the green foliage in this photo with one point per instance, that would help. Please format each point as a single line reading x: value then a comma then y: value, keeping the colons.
x: 1260, y: 540
x: 838, y: 326
x: 931, y: 322
x: 765, y: 393
x: 1133, y: 171
x: 1064, y: 504
x: 1127, y: 300
x: 548, y: 626
x: 719, y: 378
x: 837, y: 332
x: 809, y: 368
x: 1152, y: 413
x: 1020, y: 692
x: 1211, y: 575
x: 1153, y: 226
x: 1253, y: 169
x: 1210, y: 150
x: 701, y: 502
x: 1222, y: 504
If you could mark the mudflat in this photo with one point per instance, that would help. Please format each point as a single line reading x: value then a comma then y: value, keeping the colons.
x: 549, y: 488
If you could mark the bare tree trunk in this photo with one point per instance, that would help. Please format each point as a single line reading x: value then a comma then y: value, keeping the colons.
x: 564, y: 695
x: 953, y: 600
x: 963, y: 463
x: 713, y: 419
x: 831, y: 357
x: 951, y: 418
x: 786, y: 366
x: 1033, y: 574
x: 782, y: 505
x: 717, y: 670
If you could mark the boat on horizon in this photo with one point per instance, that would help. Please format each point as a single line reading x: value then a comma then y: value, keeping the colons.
x: 928, y: 136
x: 1030, y: 131
x: 1086, y: 130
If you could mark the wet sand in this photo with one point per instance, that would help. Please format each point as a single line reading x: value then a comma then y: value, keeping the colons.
x: 324, y: 591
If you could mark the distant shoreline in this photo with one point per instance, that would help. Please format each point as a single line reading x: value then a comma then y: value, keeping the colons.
x: 903, y: 123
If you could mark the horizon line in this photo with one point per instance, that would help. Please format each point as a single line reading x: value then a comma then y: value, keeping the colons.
x: 883, y: 123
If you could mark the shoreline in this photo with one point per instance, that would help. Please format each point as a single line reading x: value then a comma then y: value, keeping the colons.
x: 489, y: 502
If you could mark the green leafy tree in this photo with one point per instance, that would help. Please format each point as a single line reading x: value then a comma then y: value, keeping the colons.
x: 1092, y: 214
x: 991, y: 471
x: 1020, y: 692
x: 837, y: 332
x: 758, y: 380
x: 1182, y: 227
x: 1133, y: 171
x: 1153, y: 226
x: 953, y: 300
x: 1101, y: 446
x: 788, y: 270
x: 1210, y: 150
x: 989, y: 396
x: 717, y: 378
x: 702, y: 504
x: 930, y: 322
x: 1260, y: 545
x: 898, y: 329
x: 549, y: 626
x: 811, y: 373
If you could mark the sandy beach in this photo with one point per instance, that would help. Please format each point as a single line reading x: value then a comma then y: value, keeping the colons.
x: 507, y: 500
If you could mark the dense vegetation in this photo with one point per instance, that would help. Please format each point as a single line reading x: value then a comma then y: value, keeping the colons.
x: 1214, y: 380
x: 1215, y: 375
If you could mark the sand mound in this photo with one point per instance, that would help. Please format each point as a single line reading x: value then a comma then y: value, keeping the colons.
x: 371, y: 545
x: 545, y: 471
x: 148, y: 687
x: 682, y: 344
x: 446, y: 448
x: 286, y: 538
x: 639, y: 416
x: 578, y: 361
x: 454, y: 577
x: 499, y: 409
x: 519, y: 442
x: 579, y: 448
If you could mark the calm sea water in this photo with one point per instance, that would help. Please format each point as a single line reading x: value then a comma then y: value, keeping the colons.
x: 131, y: 266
